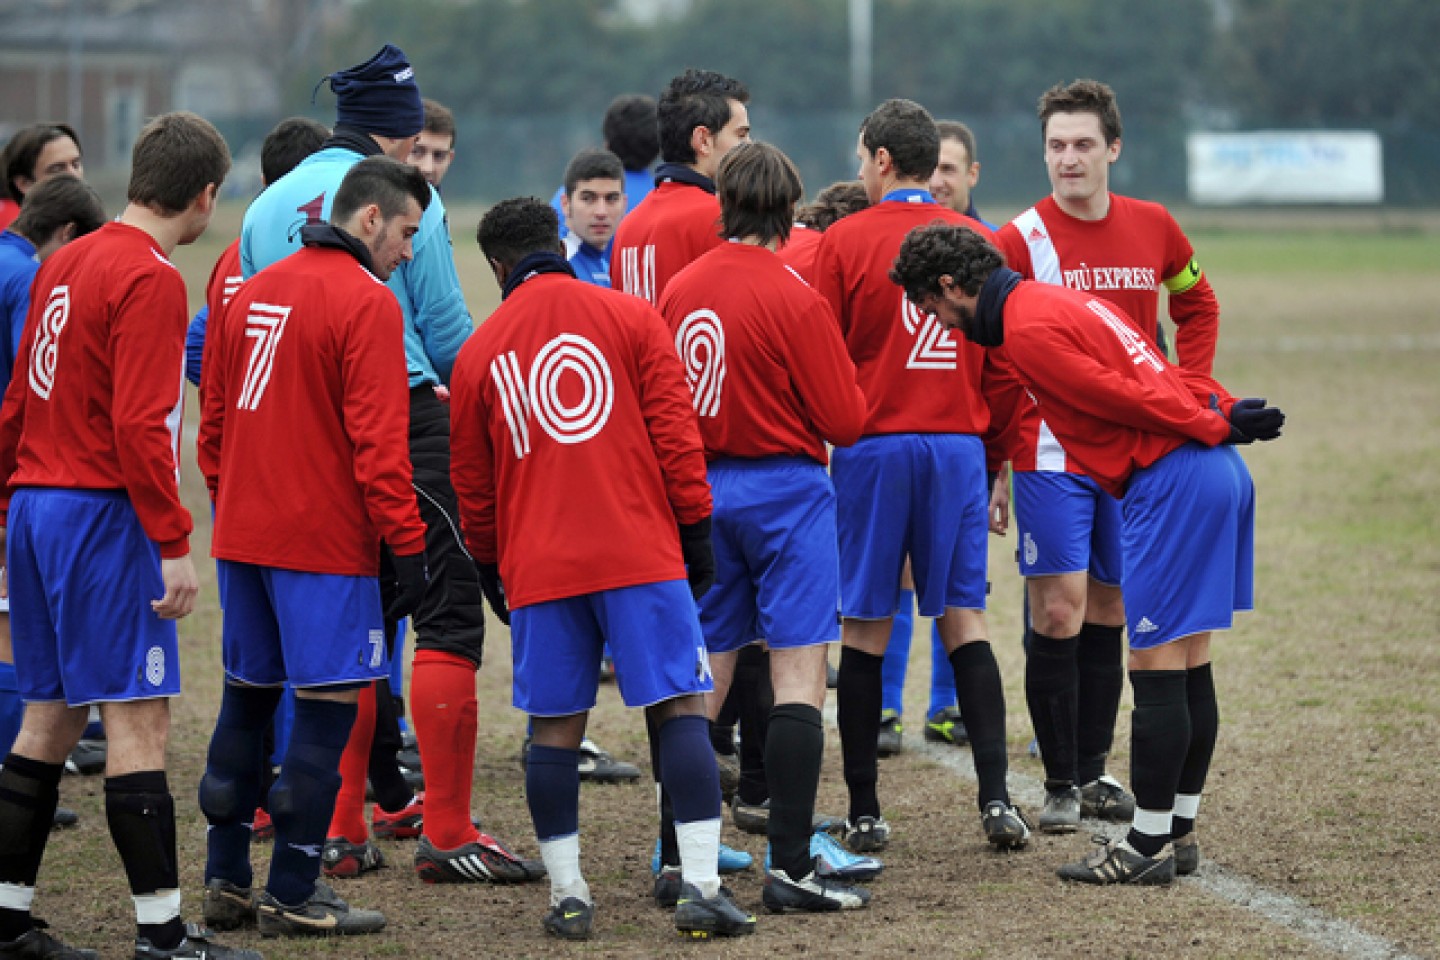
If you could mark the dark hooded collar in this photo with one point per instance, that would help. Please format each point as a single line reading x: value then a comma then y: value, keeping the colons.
x: 532, y: 265
x: 353, y: 138
x: 331, y: 236
x: 988, y: 327
x: 680, y: 173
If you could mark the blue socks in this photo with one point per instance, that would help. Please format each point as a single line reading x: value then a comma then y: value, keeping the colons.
x: 687, y: 769
x: 552, y: 791
x: 302, y: 800
x: 234, y: 775
x: 897, y: 655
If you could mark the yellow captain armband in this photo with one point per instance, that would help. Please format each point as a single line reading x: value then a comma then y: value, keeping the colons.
x: 1185, y: 279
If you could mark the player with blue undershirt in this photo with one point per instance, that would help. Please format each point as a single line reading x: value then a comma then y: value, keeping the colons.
x: 581, y: 477
x: 1158, y: 436
x: 631, y: 132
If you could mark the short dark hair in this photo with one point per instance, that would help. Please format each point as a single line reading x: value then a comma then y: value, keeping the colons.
x: 515, y: 228
x: 907, y: 131
x: 696, y: 98
x: 23, y: 151
x: 50, y: 205
x: 631, y: 130
x: 940, y: 248
x: 1083, y: 96
x: 382, y: 181
x: 438, y: 119
x: 176, y: 156
x: 838, y: 200
x: 593, y: 164
x: 291, y: 141
x: 758, y: 187
x: 955, y: 130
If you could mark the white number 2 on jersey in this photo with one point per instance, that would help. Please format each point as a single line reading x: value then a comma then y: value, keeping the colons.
x: 934, y: 349
x: 700, y: 341
x: 265, y: 326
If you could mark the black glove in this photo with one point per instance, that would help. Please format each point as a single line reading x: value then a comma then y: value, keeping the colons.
x: 699, y: 556
x: 494, y: 590
x: 411, y: 576
x: 1251, y: 420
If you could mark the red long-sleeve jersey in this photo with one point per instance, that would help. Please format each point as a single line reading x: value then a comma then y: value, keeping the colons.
x: 670, y: 228
x: 573, y: 447
x: 763, y: 356
x: 1109, y: 396
x: 304, y: 435
x: 798, y: 252
x: 918, y: 377
x: 96, y: 399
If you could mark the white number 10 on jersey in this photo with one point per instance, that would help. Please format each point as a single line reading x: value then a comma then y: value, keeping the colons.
x: 569, y: 392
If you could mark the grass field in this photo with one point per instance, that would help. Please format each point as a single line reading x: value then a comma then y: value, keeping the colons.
x: 1321, y: 801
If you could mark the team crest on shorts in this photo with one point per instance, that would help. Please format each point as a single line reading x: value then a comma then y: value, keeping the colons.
x: 155, y: 666
x: 1032, y: 552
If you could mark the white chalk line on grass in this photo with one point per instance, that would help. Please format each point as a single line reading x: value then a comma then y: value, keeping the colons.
x: 1313, y: 924
x: 1332, y: 343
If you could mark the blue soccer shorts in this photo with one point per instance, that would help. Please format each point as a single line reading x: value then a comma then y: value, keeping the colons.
x: 82, y: 576
x: 654, y: 637
x: 1067, y: 524
x: 1189, y: 545
x: 306, y: 629
x: 777, y: 571
x: 918, y: 494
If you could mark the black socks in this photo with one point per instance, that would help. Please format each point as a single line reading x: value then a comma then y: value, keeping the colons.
x: 1051, y: 692
x: 982, y: 707
x: 857, y: 707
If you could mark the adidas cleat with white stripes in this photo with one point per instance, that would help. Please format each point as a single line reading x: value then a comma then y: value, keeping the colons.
x: 1115, y: 861
x: 484, y: 861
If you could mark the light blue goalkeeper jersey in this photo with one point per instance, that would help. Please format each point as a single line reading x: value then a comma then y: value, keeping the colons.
x: 437, y: 321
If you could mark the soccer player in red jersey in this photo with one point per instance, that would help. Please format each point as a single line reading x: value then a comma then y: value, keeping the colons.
x: 1154, y: 434
x: 915, y: 484
x: 701, y: 116
x: 772, y: 384
x: 1122, y: 250
x: 581, y: 478
x: 303, y: 447
x: 97, y: 540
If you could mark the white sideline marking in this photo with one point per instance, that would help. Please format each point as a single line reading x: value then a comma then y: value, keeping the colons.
x: 1333, y: 343
x: 1295, y: 915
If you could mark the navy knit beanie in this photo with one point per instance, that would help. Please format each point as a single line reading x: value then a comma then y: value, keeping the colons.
x: 379, y: 96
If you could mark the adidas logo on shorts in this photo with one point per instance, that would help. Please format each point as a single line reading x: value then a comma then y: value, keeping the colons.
x: 1145, y: 626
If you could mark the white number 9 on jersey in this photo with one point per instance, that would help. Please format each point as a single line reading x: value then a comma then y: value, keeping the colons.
x: 700, y: 341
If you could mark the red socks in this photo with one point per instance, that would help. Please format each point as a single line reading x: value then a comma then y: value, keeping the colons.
x: 348, y: 820
x: 444, y: 711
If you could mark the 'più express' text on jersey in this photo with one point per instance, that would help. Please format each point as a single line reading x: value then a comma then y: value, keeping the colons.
x: 95, y: 402
x: 918, y: 377
x: 304, y: 425
x: 574, y: 449
x: 763, y: 356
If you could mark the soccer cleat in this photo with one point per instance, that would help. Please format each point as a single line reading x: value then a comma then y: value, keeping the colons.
x: 1187, y: 854
x: 64, y: 817
x: 834, y: 862
x: 867, y: 834
x: 1115, y: 861
x: 1105, y: 799
x: 486, y: 859
x: 750, y: 817
x: 340, y: 858
x: 607, y: 669
x: 405, y: 824
x: 262, y: 828
x: 667, y: 886
x: 1061, y: 812
x: 197, y: 945
x: 88, y: 758
x: 730, y: 860
x: 323, y: 915
x: 1005, y: 826
x: 945, y: 726
x: 570, y: 919
x: 597, y: 766
x: 227, y: 906
x: 890, y: 740
x: 811, y: 894
x: 701, y: 918
x: 36, y: 944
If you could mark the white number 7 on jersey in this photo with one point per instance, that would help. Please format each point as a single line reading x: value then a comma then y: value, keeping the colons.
x: 265, y: 325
